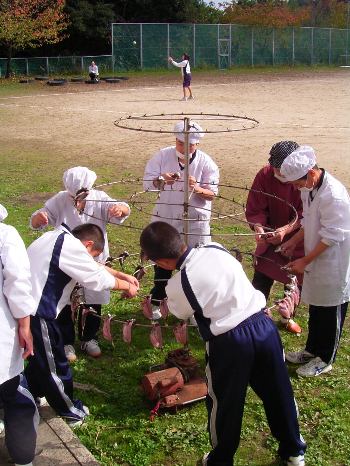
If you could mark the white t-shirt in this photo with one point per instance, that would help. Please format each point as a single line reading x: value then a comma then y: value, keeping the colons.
x: 93, y: 69
x: 212, y: 285
x: 184, y: 65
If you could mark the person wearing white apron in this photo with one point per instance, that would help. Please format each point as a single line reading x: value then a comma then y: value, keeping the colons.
x: 95, y: 207
x: 203, y: 181
x: 326, y: 264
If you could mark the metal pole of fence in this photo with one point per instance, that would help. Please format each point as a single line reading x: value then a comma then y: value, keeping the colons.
x: 293, y: 47
x: 347, y: 34
x: 312, y: 46
x: 218, y: 34
x: 168, y: 44
x: 330, y: 47
x: 47, y: 65
x: 82, y: 64
x: 27, y: 67
x: 141, y: 47
x: 112, y: 26
x: 194, y: 45
x: 273, y: 47
x: 252, y: 48
x: 230, y: 47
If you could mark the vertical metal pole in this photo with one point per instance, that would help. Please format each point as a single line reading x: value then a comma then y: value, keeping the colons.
x: 330, y: 47
x: 47, y: 65
x: 194, y: 45
x: 27, y: 67
x: 312, y: 46
x: 82, y: 64
x: 168, y: 44
x: 186, y: 177
x: 112, y: 26
x: 141, y: 47
x: 347, y: 35
x: 252, y: 48
x: 218, y: 34
x: 293, y: 47
x: 230, y: 47
x: 273, y: 47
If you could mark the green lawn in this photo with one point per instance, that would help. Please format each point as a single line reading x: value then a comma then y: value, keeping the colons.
x: 118, y: 431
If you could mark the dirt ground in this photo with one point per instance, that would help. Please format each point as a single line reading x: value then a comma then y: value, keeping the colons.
x: 75, y: 122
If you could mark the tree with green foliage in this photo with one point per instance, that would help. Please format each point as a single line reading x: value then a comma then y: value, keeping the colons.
x: 90, y: 26
x: 30, y: 23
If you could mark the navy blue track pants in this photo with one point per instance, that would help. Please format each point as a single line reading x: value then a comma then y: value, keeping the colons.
x: 325, y: 329
x: 250, y: 354
x: 21, y: 419
x: 48, y: 372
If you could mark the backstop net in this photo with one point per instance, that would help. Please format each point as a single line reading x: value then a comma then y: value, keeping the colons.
x: 146, y: 45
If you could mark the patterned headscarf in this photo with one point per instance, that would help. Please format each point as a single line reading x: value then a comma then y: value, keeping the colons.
x: 280, y: 151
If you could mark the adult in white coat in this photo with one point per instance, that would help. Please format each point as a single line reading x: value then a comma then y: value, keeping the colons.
x: 203, y: 181
x: 16, y: 344
x: 326, y: 264
x: 94, y: 207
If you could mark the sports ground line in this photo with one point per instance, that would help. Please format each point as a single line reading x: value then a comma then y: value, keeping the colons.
x: 127, y: 89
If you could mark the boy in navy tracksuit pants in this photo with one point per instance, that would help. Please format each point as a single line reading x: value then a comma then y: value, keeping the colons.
x: 243, y: 346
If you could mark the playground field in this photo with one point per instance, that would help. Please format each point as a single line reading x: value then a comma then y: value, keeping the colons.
x: 75, y: 122
x: 45, y: 130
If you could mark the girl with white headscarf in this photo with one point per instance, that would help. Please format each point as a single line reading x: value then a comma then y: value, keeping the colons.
x: 90, y: 206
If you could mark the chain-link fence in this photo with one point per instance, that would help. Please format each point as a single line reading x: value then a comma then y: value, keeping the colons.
x: 54, y: 66
x: 141, y: 46
x: 147, y: 46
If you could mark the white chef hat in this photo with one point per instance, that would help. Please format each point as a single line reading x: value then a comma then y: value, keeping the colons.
x: 78, y: 178
x: 3, y: 213
x: 298, y: 163
x: 195, y: 134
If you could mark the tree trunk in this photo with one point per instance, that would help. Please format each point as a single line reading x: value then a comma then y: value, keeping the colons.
x: 8, y: 62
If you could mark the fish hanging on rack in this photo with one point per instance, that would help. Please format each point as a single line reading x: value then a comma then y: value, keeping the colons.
x: 146, y: 307
x: 155, y: 336
x: 180, y: 332
x: 122, y: 257
x: 163, y: 306
x: 106, y: 329
x: 127, y: 328
x: 139, y: 273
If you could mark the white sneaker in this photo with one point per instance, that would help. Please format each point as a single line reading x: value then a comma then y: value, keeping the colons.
x: 91, y: 348
x: 2, y: 426
x: 296, y: 461
x: 299, y: 357
x: 28, y: 464
x: 204, y: 459
x: 73, y: 423
x: 313, y: 368
x: 70, y: 353
x: 156, y: 314
x: 184, y: 98
x: 41, y: 401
